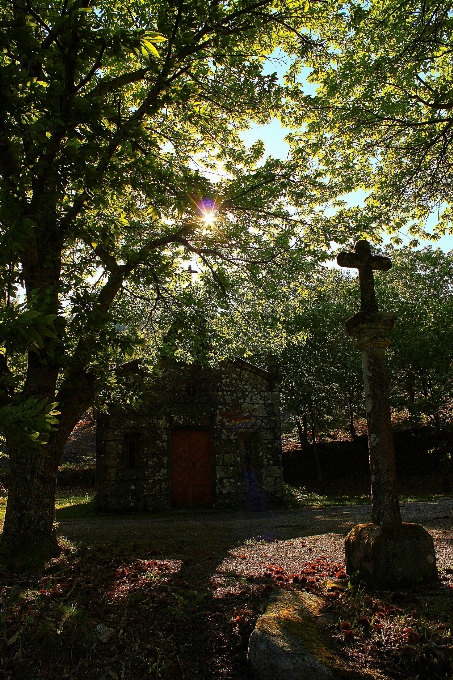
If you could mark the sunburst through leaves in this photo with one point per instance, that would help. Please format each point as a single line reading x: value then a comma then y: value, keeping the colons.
x: 207, y: 209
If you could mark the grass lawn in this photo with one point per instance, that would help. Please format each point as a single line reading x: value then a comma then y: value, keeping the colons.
x: 78, y: 503
x: 301, y: 497
x: 69, y: 503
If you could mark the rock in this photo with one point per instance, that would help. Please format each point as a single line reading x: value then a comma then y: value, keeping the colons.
x: 103, y: 633
x: 289, y: 643
x: 390, y: 555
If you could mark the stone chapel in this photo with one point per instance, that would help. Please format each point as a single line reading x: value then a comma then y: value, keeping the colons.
x: 204, y: 437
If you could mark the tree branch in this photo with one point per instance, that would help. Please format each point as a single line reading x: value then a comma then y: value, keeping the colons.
x: 51, y: 36
x: 96, y: 66
x: 106, y: 86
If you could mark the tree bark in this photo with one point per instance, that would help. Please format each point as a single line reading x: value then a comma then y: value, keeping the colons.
x: 29, y: 531
x: 352, y: 430
x: 315, y: 449
x: 302, y: 429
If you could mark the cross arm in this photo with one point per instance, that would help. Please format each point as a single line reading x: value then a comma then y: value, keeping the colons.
x: 356, y: 260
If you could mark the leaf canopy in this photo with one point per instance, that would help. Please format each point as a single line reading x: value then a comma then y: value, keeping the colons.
x: 380, y: 119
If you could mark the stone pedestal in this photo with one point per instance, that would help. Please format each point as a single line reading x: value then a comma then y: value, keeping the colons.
x: 391, y: 555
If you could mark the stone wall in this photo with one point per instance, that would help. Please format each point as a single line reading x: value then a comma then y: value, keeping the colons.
x: 237, y: 403
x: 417, y: 453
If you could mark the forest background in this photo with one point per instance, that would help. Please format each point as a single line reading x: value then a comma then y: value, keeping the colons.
x: 122, y: 165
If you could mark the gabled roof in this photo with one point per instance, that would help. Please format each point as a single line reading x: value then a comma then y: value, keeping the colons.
x: 247, y: 366
x: 133, y: 366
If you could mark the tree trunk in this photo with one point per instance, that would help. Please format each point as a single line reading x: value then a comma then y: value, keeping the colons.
x: 315, y: 449
x: 443, y: 450
x: 352, y: 430
x: 29, y: 531
x: 409, y: 386
x: 302, y: 429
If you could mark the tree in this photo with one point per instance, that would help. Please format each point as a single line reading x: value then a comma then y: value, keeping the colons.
x: 419, y: 288
x: 321, y: 375
x: 114, y: 118
x: 381, y: 116
x: 321, y: 367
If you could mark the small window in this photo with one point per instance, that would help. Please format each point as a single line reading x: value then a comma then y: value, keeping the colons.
x: 132, y: 450
x: 191, y: 390
x: 249, y: 447
x: 132, y: 454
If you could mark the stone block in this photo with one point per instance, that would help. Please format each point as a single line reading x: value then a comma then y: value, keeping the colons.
x: 391, y: 555
x: 115, y: 449
x: 224, y: 471
x: 231, y: 459
x: 159, y: 475
x: 269, y: 484
x: 111, y: 436
x: 273, y: 471
x: 228, y: 486
x: 289, y: 642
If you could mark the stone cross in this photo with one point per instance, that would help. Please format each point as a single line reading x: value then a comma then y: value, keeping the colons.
x: 371, y: 330
x: 365, y: 262
x: 387, y: 553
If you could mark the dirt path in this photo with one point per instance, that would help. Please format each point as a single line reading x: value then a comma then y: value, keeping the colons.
x: 211, y: 544
x: 228, y: 529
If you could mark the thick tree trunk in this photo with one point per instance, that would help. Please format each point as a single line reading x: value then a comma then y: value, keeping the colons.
x: 352, y: 430
x: 29, y: 530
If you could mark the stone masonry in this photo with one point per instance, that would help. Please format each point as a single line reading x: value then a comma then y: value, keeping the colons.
x: 203, y: 437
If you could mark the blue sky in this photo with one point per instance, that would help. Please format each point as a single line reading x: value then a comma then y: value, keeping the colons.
x: 273, y: 136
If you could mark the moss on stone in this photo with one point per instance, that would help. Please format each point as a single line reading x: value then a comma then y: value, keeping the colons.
x: 294, y: 621
x: 391, y: 554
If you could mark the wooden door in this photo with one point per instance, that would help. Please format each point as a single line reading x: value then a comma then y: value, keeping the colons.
x: 191, y: 475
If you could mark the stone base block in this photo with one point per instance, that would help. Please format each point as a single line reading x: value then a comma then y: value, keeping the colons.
x: 391, y: 555
x: 291, y: 642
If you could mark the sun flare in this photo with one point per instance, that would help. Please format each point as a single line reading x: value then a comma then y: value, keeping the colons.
x: 208, y: 212
x: 209, y: 219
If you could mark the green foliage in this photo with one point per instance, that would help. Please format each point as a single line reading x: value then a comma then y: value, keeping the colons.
x: 419, y: 288
x: 321, y: 367
x: 118, y: 126
x: 380, y: 119
x: 23, y: 330
x: 29, y: 421
x: 321, y: 371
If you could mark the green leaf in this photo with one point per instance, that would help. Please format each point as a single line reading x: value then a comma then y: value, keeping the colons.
x: 148, y: 48
x: 155, y: 37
